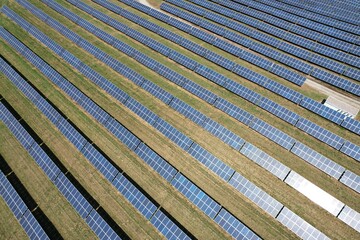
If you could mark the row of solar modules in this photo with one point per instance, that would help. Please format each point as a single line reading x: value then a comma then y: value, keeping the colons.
x: 287, y: 20
x: 314, y: 45
x: 322, y: 11
x: 18, y: 207
x: 213, y: 127
x: 67, y: 189
x: 266, y: 202
x: 270, y: 52
x: 342, y: 8
x: 296, y: 97
x: 305, y: 16
x: 314, y: 130
x: 171, y: 174
x: 147, y: 207
x: 201, y: 154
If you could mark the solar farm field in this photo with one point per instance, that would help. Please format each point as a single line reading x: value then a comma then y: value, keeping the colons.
x: 179, y: 119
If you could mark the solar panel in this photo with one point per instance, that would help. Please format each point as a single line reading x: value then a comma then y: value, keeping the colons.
x: 299, y: 226
x: 196, y: 195
x: 243, y: 92
x: 212, y: 75
x: 196, y: 48
x: 157, y: 91
x: 352, y: 125
x: 32, y: 227
x: 97, y: 112
x: 273, y: 134
x: 220, y: 60
x: 351, y: 150
x: 135, y: 196
x: 234, y: 111
x: 140, y: 110
x: 156, y: 162
x: 167, y: 227
x: 186, y: 110
x: 255, y: 194
x: 234, y: 227
x: 173, y: 134
x: 183, y: 60
x: 351, y: 180
x: 350, y: 217
x: 319, y: 161
x: 71, y: 133
x: 264, y: 160
x: 211, y: 162
x: 100, y: 227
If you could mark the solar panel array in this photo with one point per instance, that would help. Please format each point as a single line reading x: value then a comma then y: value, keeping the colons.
x: 94, y: 220
x: 216, y: 164
x: 274, y: 27
x: 67, y: 189
x: 22, y: 213
x: 238, y: 89
x: 272, y: 41
x: 287, y: 93
x: 174, y: 134
x: 142, y: 150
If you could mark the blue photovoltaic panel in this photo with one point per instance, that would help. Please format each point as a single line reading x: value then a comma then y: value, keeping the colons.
x: 212, y: 75
x: 97, y: 112
x: 243, y: 92
x: 273, y: 134
x: 157, y: 91
x: 99, y: 161
x: 234, y: 111
x: 124, y: 135
x: 234, y: 227
x: 284, y: 91
x: 200, y: 91
x: 196, y: 195
x: 173, y: 134
x: 193, y: 47
x: 189, y: 112
x: 350, y: 217
x: 156, y: 162
x: 319, y: 161
x: 71, y: 133
x: 167, y: 227
x: 143, y: 112
x: 351, y: 180
x: 75, y: 198
x: 11, y: 197
x: 183, y: 60
x: 256, y: 195
x: 48, y: 110
x: 224, y: 134
x: 135, y: 196
x: 320, y: 133
x: 299, y: 226
x: 265, y: 161
x: 100, y: 227
x: 352, y: 125
x: 32, y: 227
x: 351, y: 150
x: 211, y: 162
x: 44, y: 161
x: 179, y: 24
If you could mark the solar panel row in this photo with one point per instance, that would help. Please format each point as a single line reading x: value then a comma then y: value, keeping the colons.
x: 247, y: 16
x: 22, y: 213
x: 251, y: 96
x: 95, y: 221
x: 296, y: 97
x: 163, y: 223
x: 322, y: 61
x: 213, y: 164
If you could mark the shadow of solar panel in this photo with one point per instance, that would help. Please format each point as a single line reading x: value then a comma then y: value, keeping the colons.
x: 265, y: 161
x: 196, y: 195
x: 135, y: 196
x: 99, y: 161
x: 234, y: 111
x: 234, y: 227
x: 351, y: 180
x: 211, y: 162
x: 167, y: 227
x: 32, y: 226
x: 140, y: 110
x: 124, y: 135
x: 186, y: 110
x: 11, y: 197
x: 100, y: 227
x: 273, y: 134
x: 200, y: 91
x: 319, y: 161
x: 74, y: 197
x: 255, y: 194
x: 173, y: 134
x: 156, y: 162
x: 224, y: 134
